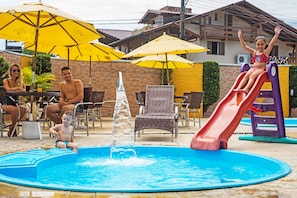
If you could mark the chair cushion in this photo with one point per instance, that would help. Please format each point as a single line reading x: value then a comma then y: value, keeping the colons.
x: 164, y: 122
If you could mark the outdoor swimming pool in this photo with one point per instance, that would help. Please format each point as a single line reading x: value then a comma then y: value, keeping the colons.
x: 155, y: 169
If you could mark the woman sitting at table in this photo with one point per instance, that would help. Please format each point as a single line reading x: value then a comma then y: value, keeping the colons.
x: 14, y: 83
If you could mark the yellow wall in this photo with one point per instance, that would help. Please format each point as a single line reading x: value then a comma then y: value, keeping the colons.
x: 25, y: 61
x: 187, y: 80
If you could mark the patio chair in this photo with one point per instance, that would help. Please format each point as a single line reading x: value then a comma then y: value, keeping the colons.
x: 140, y: 100
x: 192, y: 105
x: 183, y: 108
x: 82, y: 111
x: 160, y: 111
x: 3, y: 124
x: 97, y: 98
x: 41, y: 106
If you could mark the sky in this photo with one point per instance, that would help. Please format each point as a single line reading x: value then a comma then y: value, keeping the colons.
x: 124, y: 15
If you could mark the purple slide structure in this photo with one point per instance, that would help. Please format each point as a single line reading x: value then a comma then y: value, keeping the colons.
x: 226, y: 117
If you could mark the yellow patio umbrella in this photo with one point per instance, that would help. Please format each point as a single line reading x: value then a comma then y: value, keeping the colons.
x: 92, y: 51
x: 165, y: 44
x: 171, y: 61
x: 39, y: 23
x: 95, y: 50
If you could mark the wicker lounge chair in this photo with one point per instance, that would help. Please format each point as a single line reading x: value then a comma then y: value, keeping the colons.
x: 160, y: 111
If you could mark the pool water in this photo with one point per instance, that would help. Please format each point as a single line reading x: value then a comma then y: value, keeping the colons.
x: 155, y: 169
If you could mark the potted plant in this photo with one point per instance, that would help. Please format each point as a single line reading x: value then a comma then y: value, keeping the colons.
x: 45, y: 79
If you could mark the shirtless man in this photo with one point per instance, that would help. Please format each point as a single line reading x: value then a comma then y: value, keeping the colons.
x: 64, y: 133
x: 71, y: 92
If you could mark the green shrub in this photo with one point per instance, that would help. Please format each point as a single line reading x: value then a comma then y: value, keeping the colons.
x: 43, y: 71
x: 211, y: 83
x: 45, y: 79
x: 4, y: 65
x: 43, y: 62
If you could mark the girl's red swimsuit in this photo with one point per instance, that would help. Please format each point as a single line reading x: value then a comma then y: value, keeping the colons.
x: 260, y: 58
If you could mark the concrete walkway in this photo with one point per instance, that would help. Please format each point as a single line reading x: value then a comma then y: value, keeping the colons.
x: 281, y: 188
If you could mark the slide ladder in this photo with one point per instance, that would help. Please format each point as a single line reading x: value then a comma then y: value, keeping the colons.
x: 272, y: 102
x: 269, y: 128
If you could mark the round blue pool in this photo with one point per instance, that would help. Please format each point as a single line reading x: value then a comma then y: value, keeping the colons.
x: 156, y: 169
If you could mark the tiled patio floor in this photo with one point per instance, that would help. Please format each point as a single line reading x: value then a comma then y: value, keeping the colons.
x: 281, y: 188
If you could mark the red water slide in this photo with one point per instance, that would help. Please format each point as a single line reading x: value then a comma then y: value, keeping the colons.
x: 224, y: 120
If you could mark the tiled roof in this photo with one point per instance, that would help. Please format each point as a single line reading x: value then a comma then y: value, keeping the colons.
x: 119, y: 34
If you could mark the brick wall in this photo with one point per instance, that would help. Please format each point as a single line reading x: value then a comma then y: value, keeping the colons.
x: 135, y: 78
x: 228, y: 75
x: 103, y: 76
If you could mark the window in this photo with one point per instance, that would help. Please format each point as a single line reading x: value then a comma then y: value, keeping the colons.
x: 209, y: 20
x: 229, y: 20
x: 274, y: 51
x: 159, y: 21
x: 216, y: 48
x: 229, y: 23
x: 216, y: 17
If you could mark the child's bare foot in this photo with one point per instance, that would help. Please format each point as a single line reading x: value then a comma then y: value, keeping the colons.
x: 246, y: 91
x: 239, y: 97
x: 241, y: 94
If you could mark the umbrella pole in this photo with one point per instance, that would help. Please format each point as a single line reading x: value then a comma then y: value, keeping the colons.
x: 68, y: 55
x: 35, y: 51
x: 167, y: 69
x: 110, y: 71
x: 35, y: 57
x: 90, y: 69
x: 162, y: 70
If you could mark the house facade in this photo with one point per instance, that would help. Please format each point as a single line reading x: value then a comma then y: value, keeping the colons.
x: 217, y: 30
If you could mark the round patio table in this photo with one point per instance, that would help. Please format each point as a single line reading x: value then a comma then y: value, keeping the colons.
x: 34, y: 93
x: 31, y: 126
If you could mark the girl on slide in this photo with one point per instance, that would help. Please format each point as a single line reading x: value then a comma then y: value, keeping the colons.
x: 260, y: 58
